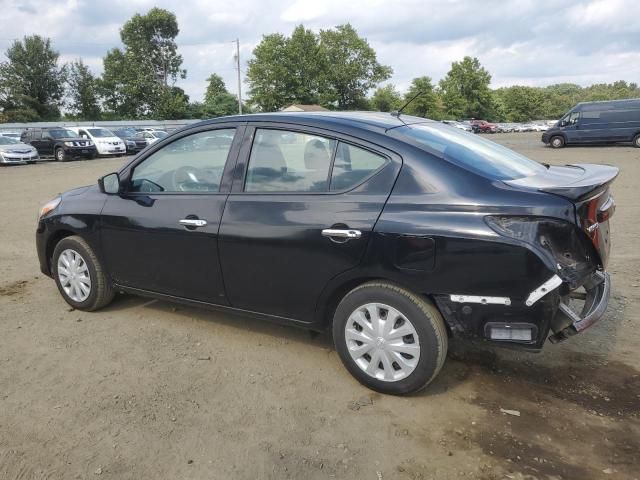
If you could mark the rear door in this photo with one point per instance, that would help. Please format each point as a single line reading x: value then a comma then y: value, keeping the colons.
x: 161, y: 233
x: 302, y: 208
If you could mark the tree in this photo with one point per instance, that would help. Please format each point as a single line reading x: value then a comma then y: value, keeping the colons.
x: 386, y: 99
x: 427, y: 104
x: 172, y: 104
x: 31, y: 82
x: 335, y: 68
x: 352, y: 68
x: 465, y: 90
x: 82, y: 92
x: 217, y: 99
x: 138, y: 81
x: 286, y: 70
x: 520, y: 104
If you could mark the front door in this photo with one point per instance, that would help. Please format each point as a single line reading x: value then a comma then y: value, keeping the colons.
x: 301, y: 212
x: 161, y: 234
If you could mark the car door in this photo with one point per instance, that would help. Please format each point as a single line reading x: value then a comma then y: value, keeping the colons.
x: 161, y: 233
x: 298, y: 215
x: 570, y: 127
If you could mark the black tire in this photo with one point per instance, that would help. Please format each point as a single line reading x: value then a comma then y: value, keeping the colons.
x: 636, y: 141
x: 422, y: 315
x: 101, y: 291
x: 60, y: 155
x: 557, y: 141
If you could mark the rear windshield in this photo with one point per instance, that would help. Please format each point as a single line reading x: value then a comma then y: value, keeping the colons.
x: 100, y: 132
x: 469, y: 150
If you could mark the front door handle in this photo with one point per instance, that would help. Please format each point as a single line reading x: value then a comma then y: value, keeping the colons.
x: 343, y: 234
x: 192, y: 222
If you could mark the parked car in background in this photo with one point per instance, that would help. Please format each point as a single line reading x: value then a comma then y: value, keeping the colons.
x: 107, y: 143
x: 360, y: 225
x: 62, y: 143
x: 482, y: 126
x: 12, y: 151
x: 504, y: 127
x: 14, y: 135
x: 151, y: 136
x: 612, y: 121
x: 458, y: 125
x: 133, y: 143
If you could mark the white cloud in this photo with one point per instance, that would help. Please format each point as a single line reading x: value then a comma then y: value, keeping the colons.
x: 532, y: 42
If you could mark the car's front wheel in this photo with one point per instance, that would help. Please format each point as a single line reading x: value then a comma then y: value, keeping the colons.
x: 389, y: 339
x: 636, y: 141
x: 79, y: 275
x: 60, y: 154
x: 557, y: 141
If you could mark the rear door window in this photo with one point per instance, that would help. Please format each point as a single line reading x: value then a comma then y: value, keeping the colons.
x: 286, y: 161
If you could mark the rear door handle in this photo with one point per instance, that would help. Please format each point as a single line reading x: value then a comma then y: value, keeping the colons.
x: 193, y: 222
x: 345, y: 234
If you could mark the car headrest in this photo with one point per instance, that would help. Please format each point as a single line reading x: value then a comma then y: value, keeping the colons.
x: 316, y: 155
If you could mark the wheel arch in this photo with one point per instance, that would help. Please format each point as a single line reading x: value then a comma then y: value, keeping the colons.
x: 54, y: 239
x: 332, y: 296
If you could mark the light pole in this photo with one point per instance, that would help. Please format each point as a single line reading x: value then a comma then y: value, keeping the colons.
x: 239, y: 79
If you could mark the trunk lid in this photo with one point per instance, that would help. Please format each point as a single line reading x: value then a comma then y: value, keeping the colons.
x: 587, y: 186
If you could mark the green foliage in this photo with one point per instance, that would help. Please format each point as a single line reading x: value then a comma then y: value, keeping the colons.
x: 217, y: 99
x: 352, y: 68
x: 31, y: 82
x: 465, y: 90
x: 520, y: 104
x: 335, y: 68
x: 386, y: 99
x: 428, y: 104
x: 172, y: 104
x: 138, y: 81
x: 82, y: 92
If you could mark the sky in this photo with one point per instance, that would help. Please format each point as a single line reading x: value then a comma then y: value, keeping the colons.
x: 523, y: 42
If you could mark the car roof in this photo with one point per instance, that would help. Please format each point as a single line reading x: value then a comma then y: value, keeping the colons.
x: 365, y: 120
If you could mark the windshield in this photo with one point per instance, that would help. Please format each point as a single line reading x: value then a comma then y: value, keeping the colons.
x: 100, y: 132
x: 126, y: 132
x: 470, y: 151
x: 62, y: 133
x: 8, y: 140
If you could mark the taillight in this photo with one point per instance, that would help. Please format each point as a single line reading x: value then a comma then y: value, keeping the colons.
x: 561, y: 243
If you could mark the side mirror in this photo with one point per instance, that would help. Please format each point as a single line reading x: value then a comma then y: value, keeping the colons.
x: 110, y: 183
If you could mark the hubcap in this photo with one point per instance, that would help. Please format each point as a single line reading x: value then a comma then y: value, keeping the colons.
x: 556, y: 142
x: 382, y: 342
x: 73, y: 274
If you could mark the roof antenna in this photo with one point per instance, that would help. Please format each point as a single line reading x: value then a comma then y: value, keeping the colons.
x: 397, y: 113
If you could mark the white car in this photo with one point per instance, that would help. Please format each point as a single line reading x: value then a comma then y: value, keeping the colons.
x: 152, y: 136
x: 107, y: 142
x: 13, y: 151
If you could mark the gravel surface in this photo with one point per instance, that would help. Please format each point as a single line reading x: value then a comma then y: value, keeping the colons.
x: 148, y: 390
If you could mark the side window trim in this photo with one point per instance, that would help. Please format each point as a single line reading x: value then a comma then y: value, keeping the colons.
x: 239, y: 177
x: 232, y: 157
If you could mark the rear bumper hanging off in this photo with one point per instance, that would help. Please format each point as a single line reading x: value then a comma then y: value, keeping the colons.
x: 598, y: 289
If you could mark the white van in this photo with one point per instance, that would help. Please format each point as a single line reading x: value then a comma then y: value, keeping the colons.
x: 107, y: 142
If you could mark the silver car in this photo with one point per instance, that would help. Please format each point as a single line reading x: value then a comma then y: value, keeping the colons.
x: 14, y: 152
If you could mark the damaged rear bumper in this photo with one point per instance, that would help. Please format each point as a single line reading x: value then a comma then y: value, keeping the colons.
x: 596, y: 299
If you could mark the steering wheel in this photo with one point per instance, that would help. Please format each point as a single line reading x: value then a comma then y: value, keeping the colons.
x: 191, y: 179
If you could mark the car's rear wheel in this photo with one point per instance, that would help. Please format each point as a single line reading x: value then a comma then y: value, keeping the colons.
x: 636, y: 141
x: 60, y: 155
x: 79, y: 275
x: 557, y: 141
x: 389, y: 339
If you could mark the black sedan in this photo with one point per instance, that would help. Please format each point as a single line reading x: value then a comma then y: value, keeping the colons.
x: 133, y: 143
x: 395, y: 232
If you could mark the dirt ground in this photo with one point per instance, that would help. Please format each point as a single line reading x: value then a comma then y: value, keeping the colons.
x: 149, y: 390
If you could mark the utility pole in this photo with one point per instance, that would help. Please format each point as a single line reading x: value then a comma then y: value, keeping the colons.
x: 239, y: 79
